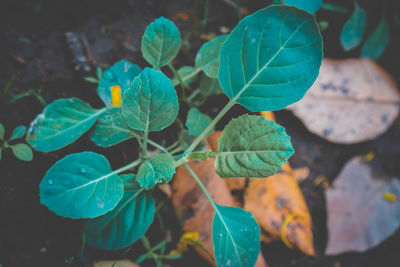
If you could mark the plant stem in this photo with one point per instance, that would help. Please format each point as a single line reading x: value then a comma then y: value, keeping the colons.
x: 131, y: 165
x: 176, y: 150
x: 179, y: 79
x: 145, y: 140
x: 187, y: 77
x: 203, y: 188
x: 205, y: 18
x: 196, y: 142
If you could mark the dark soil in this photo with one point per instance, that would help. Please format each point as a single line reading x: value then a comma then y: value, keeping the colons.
x: 33, y: 47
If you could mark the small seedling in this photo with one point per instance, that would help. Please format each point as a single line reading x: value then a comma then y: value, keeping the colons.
x: 268, y: 61
x: 20, y: 150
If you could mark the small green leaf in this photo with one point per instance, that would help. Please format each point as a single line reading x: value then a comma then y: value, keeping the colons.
x: 91, y: 79
x: 2, y: 131
x: 161, y: 42
x: 22, y: 152
x: 207, y: 58
x: 125, y: 224
x: 110, y: 129
x: 376, y: 42
x: 150, y: 103
x: 251, y: 146
x: 263, y: 68
x: 61, y: 123
x: 308, y: 5
x: 1, y: 153
x: 81, y: 185
x: 196, y: 122
x: 18, y: 132
x: 236, y: 237
x: 353, y: 29
x: 188, y: 75
x: 209, y: 86
x: 159, y: 169
x: 121, y: 73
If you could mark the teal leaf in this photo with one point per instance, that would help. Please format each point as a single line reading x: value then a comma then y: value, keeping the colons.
x: 121, y: 73
x: 110, y: 129
x: 353, y: 29
x: 308, y: 5
x: 207, y: 59
x: 61, y: 123
x: 22, y: 152
x: 236, y: 237
x: 81, y: 185
x: 161, y: 42
x: 159, y: 169
x: 2, y: 132
x: 1, y: 153
x: 188, y: 75
x: 197, y: 122
x: 151, y: 103
x: 18, y: 132
x: 376, y: 42
x: 209, y: 86
x: 251, y: 146
x: 125, y: 224
x: 264, y: 68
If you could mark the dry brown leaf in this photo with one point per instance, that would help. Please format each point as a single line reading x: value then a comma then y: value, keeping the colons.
x: 351, y: 101
x: 362, y: 207
x: 272, y: 200
x: 197, y: 213
x: 121, y: 263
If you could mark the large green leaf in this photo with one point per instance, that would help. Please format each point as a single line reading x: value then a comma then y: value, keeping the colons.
x: 125, y: 224
x: 377, y: 41
x: 251, y: 146
x: 236, y: 237
x: 150, y: 103
x: 61, y: 123
x: 353, y: 29
x: 122, y: 74
x: 22, y: 152
x: 308, y: 5
x: 110, y: 129
x: 271, y: 58
x: 81, y: 185
x: 196, y: 122
x: 207, y: 58
x: 161, y: 42
x: 159, y: 169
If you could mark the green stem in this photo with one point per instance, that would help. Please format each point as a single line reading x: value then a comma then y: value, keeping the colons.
x: 197, y: 141
x: 179, y: 79
x: 205, y: 18
x: 145, y: 140
x: 131, y: 165
x: 172, y: 146
x: 203, y: 188
x: 176, y: 150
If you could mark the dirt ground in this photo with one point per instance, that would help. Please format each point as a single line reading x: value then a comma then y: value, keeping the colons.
x: 33, y: 47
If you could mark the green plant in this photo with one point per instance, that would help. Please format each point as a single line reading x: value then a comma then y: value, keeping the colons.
x: 267, y: 62
x: 20, y: 150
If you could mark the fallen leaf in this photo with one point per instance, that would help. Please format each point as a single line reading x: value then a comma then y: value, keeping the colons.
x: 116, y: 263
x: 351, y: 101
x: 196, y: 212
x: 272, y: 200
x: 359, y: 216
